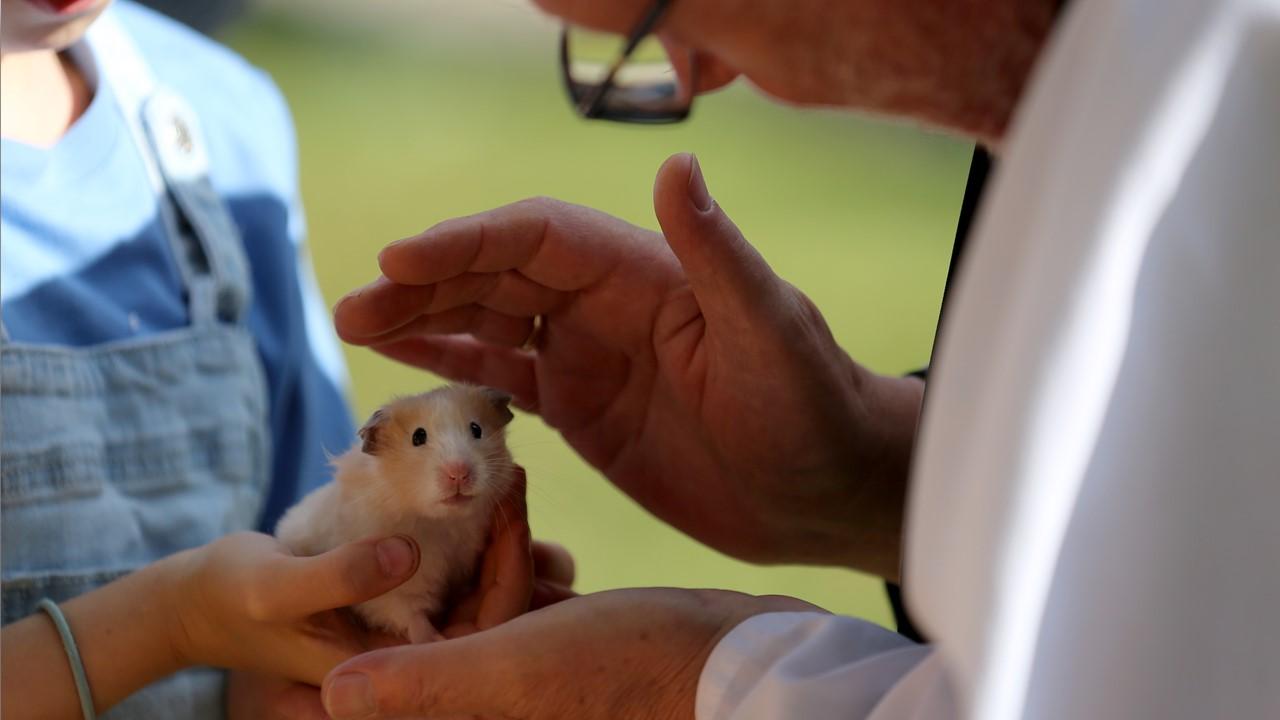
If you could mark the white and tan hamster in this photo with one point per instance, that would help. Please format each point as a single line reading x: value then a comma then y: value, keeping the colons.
x: 432, y: 467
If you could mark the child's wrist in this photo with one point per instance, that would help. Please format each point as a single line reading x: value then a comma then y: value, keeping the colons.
x: 175, y: 586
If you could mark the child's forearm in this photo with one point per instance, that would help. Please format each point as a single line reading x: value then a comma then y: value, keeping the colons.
x: 126, y: 632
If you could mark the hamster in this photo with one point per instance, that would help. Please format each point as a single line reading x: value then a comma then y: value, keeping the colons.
x: 430, y: 466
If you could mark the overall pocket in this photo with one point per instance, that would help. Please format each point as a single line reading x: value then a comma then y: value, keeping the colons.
x: 104, y: 471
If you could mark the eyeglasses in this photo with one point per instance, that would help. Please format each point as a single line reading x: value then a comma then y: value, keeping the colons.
x: 638, y: 86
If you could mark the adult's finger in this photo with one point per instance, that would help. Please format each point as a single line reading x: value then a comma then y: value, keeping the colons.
x: 378, y: 308
x: 555, y: 244
x: 728, y: 276
x: 506, y: 573
x: 368, y: 315
x: 553, y: 562
x: 251, y: 696
x: 465, y: 359
x: 478, y: 674
x: 289, y: 588
x: 300, y: 701
x: 549, y: 593
x: 479, y: 322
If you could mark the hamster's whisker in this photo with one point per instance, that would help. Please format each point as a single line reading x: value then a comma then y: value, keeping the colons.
x: 502, y: 511
x: 510, y: 492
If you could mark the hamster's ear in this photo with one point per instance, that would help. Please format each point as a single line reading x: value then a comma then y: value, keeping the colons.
x: 369, y: 433
x: 500, y: 402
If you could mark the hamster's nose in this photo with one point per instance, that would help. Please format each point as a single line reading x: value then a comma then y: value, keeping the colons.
x: 456, y: 476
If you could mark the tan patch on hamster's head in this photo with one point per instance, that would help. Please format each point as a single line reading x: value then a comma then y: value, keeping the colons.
x: 445, y: 450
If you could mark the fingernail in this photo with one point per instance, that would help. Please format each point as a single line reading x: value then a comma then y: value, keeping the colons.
x: 698, y: 192
x: 349, y: 697
x: 395, y: 556
x: 391, y: 246
x: 349, y: 297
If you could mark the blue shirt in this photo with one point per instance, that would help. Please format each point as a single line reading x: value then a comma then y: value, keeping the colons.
x: 84, y: 259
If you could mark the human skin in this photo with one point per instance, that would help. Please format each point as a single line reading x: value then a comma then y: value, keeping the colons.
x: 244, y: 603
x: 173, y: 613
x: 679, y: 364
x: 41, y: 91
x: 747, y: 427
x: 936, y: 82
x: 240, y: 602
x: 632, y: 654
x: 501, y: 594
x: 251, y: 696
x: 27, y: 26
x: 957, y: 65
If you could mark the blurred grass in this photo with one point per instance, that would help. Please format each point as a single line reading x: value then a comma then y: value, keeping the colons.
x: 395, y: 137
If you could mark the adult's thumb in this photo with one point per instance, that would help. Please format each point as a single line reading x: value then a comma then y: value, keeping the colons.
x: 441, y: 679
x: 728, y: 276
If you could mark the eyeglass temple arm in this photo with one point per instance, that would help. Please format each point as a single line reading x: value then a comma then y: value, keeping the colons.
x: 590, y: 103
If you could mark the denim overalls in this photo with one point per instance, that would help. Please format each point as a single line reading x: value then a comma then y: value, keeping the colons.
x: 119, y: 454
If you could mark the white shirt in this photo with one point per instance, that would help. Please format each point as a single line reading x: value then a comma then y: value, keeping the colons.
x: 1094, y: 520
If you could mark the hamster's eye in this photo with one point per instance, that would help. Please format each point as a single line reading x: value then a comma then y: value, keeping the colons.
x: 419, y: 437
x: 476, y: 432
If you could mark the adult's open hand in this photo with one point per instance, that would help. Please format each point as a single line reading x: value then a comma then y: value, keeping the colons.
x: 618, y: 655
x: 696, y: 379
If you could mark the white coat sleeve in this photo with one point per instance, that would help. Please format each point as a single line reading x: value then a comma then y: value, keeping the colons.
x: 810, y: 665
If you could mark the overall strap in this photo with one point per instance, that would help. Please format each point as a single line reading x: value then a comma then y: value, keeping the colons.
x: 205, y: 241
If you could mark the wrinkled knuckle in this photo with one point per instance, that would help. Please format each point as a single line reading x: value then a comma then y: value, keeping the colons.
x: 542, y: 204
x: 256, y: 603
x: 806, y: 305
x: 422, y: 697
x: 443, y: 226
x: 804, y: 316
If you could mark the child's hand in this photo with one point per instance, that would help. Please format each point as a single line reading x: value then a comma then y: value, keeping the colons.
x: 514, y: 575
x: 244, y: 602
x: 258, y: 697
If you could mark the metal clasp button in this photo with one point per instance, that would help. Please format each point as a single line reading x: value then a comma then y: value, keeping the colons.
x: 182, y: 136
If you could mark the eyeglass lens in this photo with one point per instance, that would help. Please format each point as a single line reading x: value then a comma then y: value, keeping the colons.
x: 605, y: 82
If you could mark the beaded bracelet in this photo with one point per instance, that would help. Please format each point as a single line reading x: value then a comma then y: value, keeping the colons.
x: 73, y: 656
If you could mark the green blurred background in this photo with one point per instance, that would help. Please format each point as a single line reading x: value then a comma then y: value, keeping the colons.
x: 412, y: 112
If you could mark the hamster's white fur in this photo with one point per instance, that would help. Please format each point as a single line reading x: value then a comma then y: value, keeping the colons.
x: 441, y: 492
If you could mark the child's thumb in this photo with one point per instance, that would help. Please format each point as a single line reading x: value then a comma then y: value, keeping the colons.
x: 346, y: 575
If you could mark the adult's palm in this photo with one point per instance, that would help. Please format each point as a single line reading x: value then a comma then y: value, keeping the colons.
x: 693, y: 377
